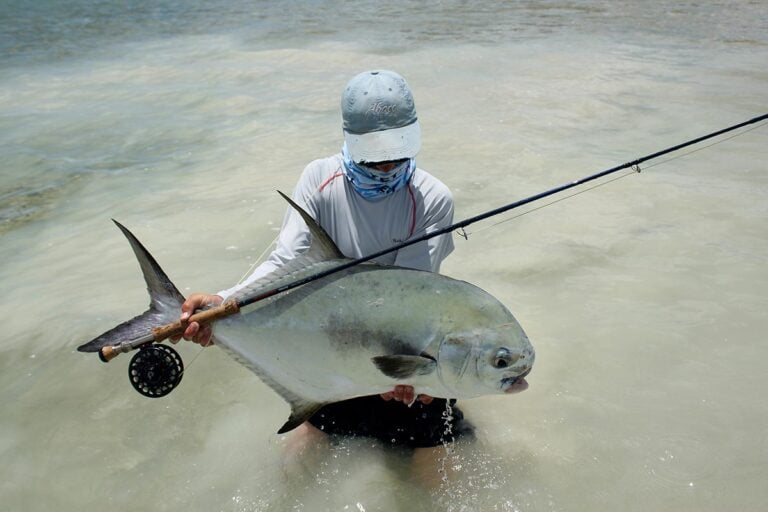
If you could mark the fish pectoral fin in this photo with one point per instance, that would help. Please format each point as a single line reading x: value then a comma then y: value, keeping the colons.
x: 300, y: 412
x: 404, y: 366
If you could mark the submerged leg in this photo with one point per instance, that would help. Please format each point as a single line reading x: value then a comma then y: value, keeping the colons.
x: 432, y: 467
x: 305, y: 448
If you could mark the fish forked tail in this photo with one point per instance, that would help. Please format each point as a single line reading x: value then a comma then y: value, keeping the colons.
x: 164, y: 306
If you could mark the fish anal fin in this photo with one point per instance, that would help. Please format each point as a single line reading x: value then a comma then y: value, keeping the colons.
x: 302, y: 408
x: 300, y: 412
x: 405, y: 366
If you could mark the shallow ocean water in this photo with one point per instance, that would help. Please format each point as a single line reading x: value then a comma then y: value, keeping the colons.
x: 645, y: 298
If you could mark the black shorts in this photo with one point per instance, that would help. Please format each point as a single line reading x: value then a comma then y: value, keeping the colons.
x: 392, y: 422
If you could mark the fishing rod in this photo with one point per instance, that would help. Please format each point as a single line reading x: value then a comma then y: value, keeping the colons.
x: 233, y: 306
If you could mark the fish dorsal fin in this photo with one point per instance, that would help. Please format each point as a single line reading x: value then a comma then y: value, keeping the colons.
x: 321, y: 246
x: 162, y: 292
x: 405, y: 366
x: 321, y: 250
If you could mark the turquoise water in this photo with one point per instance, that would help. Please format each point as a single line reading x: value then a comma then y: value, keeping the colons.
x: 645, y: 298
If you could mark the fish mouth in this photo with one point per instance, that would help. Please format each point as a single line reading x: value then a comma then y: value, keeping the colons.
x: 515, y: 384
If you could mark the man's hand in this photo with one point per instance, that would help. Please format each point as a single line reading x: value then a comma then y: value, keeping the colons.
x: 406, y: 395
x: 194, y: 331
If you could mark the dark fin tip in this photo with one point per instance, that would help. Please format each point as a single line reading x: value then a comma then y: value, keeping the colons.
x: 299, y: 414
x: 320, y: 239
x: 404, y: 366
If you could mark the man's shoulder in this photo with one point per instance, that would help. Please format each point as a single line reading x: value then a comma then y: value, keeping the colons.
x: 431, y: 187
x: 320, y: 173
x: 324, y: 167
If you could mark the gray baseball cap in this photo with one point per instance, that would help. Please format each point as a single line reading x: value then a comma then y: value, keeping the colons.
x: 379, y: 115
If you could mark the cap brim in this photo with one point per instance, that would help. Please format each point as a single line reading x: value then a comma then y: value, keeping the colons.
x: 385, y: 145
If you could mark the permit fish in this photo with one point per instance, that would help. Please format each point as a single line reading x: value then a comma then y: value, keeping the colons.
x: 356, y: 332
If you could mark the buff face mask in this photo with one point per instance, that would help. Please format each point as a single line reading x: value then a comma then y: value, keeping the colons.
x: 373, y: 184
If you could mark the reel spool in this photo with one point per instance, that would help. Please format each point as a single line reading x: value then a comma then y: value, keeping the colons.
x: 155, y: 370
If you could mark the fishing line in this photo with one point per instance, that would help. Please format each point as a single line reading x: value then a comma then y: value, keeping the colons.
x: 200, y: 351
x: 273, y: 243
x: 636, y: 170
x: 708, y: 145
x: 465, y: 235
x: 258, y: 260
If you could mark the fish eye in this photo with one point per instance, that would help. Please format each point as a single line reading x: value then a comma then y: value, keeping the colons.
x: 502, y: 358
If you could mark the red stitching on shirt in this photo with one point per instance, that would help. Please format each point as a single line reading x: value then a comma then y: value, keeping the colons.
x: 413, y: 213
x: 329, y: 180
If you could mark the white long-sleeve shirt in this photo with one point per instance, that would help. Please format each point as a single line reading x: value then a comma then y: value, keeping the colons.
x: 361, y: 227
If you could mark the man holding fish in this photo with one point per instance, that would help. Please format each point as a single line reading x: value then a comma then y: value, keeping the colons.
x: 367, y: 198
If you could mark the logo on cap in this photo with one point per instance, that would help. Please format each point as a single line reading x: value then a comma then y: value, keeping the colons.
x: 379, y: 108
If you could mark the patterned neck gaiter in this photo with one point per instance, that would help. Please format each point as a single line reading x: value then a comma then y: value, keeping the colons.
x: 373, y: 184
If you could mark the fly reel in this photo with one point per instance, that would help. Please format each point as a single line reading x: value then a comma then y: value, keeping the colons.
x: 155, y: 370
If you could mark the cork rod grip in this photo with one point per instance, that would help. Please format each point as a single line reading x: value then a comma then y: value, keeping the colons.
x: 228, y: 308
x: 108, y: 353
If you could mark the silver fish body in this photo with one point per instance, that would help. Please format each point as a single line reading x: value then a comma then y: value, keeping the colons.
x: 355, y: 332
x: 333, y: 339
